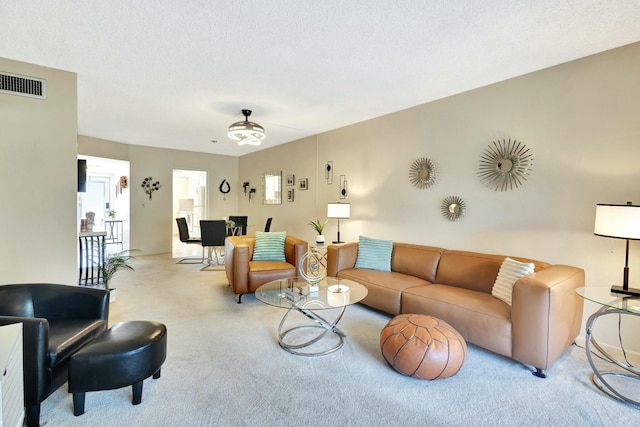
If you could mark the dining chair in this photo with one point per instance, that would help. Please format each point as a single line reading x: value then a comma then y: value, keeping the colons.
x: 240, y: 221
x: 183, y: 230
x: 213, y: 233
x: 267, y: 226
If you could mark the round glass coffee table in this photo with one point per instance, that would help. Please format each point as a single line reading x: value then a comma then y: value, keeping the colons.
x: 611, y: 304
x: 331, y: 296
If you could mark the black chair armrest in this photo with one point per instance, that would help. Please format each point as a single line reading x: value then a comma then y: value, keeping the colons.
x: 35, y: 339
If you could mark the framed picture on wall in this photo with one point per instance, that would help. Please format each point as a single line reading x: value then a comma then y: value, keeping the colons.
x: 291, y: 180
x: 289, y: 194
x: 303, y: 183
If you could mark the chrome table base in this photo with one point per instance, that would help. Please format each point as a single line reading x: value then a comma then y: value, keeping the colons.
x: 630, y: 373
x: 326, y: 329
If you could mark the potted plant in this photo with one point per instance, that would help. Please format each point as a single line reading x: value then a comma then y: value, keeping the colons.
x: 111, y: 213
x: 319, y: 226
x: 111, y: 265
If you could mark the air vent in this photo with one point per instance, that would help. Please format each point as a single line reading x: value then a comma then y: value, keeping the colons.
x: 14, y: 84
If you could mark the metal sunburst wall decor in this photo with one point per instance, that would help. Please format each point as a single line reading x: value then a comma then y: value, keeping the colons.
x: 505, y: 164
x: 453, y: 208
x: 422, y: 173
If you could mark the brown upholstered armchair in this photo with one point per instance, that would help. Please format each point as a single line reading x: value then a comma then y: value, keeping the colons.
x: 246, y: 275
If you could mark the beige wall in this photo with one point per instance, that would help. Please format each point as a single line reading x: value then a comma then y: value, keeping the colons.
x: 152, y: 221
x: 38, y: 185
x: 580, y: 121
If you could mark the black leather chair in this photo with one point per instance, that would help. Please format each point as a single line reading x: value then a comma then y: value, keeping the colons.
x: 57, y: 321
x: 183, y: 231
x: 213, y: 233
x: 240, y: 221
x: 267, y: 226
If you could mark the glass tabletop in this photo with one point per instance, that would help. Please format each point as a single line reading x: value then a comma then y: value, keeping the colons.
x: 331, y: 292
x: 603, y: 296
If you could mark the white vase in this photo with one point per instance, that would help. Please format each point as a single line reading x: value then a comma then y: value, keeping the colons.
x: 320, y: 239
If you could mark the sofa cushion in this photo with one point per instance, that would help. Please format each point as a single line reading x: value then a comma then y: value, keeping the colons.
x: 479, y: 317
x: 374, y: 254
x: 384, y: 287
x: 473, y: 270
x: 261, y: 272
x: 416, y: 260
x: 510, y: 271
x: 269, y: 246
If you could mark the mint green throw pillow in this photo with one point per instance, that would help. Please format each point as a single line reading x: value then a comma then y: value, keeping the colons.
x: 374, y: 254
x: 269, y: 246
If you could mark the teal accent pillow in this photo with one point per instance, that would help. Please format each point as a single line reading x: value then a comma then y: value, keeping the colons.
x: 269, y: 246
x: 374, y: 254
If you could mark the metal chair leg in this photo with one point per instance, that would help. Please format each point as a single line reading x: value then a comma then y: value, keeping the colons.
x: 192, y: 260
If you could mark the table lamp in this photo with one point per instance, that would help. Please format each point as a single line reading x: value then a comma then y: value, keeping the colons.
x: 338, y: 211
x: 620, y: 222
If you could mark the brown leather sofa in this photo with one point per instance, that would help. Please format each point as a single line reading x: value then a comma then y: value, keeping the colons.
x: 455, y: 286
x: 246, y: 275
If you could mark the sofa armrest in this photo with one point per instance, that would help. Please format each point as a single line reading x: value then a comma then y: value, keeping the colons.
x: 294, y: 249
x: 35, y: 339
x: 341, y: 257
x: 237, y: 254
x: 546, y: 314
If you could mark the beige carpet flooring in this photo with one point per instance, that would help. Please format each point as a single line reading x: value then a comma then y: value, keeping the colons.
x: 225, y: 368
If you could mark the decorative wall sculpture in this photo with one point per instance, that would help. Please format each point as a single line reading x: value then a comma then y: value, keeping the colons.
x: 453, y: 208
x: 328, y: 172
x: 149, y: 186
x: 505, y: 164
x: 422, y: 173
x: 343, y: 187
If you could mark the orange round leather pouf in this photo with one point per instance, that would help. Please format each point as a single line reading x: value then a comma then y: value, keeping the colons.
x: 422, y: 346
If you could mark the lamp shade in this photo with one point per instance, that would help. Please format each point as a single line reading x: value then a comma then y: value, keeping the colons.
x: 618, y: 221
x: 338, y: 210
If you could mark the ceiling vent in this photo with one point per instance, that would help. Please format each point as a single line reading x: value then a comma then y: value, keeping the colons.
x: 14, y: 84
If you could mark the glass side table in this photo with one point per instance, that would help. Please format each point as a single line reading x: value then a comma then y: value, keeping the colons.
x: 611, y: 304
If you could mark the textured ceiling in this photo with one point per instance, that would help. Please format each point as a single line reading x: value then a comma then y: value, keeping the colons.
x: 176, y: 73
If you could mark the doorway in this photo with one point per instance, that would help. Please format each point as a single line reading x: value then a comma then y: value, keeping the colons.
x: 107, y: 196
x: 190, y: 201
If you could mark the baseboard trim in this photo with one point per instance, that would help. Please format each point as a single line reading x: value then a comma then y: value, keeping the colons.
x: 582, y: 342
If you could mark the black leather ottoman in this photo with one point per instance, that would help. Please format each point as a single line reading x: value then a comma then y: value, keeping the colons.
x: 125, y: 355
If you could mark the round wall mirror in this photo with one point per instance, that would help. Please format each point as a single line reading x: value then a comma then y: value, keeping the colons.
x: 453, y: 208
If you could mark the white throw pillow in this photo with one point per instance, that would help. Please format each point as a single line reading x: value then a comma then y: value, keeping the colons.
x: 510, y: 271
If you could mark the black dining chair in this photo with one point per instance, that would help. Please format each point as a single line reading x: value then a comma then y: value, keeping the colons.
x: 241, y: 222
x: 183, y: 230
x: 267, y: 226
x: 213, y: 233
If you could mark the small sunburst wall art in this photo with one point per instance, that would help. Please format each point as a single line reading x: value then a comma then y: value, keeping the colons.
x: 453, y: 208
x: 505, y: 164
x: 422, y: 173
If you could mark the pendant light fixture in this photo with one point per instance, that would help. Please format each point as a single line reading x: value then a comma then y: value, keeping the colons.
x: 246, y: 132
